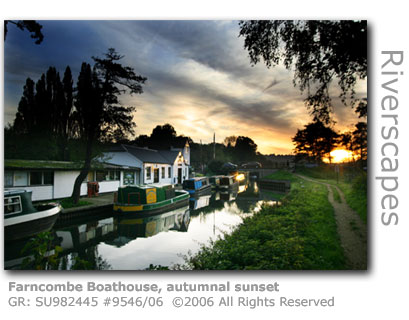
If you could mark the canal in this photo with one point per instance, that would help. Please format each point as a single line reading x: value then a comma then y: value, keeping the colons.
x: 111, y: 242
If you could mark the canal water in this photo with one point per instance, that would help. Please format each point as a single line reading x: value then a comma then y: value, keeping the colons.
x: 110, y: 242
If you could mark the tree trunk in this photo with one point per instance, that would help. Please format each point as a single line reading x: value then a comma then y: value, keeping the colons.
x: 76, y: 192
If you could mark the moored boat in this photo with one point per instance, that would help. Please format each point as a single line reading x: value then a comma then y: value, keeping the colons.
x: 197, y: 186
x: 228, y: 183
x: 22, y: 219
x: 215, y: 181
x: 149, y: 199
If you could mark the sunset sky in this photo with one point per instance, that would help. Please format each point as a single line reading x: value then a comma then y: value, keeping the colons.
x: 199, y: 77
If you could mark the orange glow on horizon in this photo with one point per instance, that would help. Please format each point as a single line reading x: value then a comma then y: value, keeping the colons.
x: 340, y: 155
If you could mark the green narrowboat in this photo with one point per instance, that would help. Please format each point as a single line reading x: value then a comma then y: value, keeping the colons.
x: 146, y: 200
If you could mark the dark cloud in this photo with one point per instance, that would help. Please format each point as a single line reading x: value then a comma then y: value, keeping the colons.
x: 199, y: 65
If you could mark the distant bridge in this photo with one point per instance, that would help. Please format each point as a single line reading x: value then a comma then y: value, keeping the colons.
x: 260, y: 173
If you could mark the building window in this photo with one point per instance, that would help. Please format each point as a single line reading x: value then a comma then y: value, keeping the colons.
x: 36, y: 178
x: 107, y: 175
x: 113, y: 175
x: 20, y: 179
x: 89, y: 177
x: 8, y: 179
x: 28, y: 178
x: 48, y: 177
x: 148, y: 173
x: 169, y: 172
x: 129, y: 177
x: 163, y: 172
x: 100, y: 175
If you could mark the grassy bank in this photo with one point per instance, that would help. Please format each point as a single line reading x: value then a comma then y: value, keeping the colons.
x: 351, y: 182
x: 299, y: 234
x: 67, y: 203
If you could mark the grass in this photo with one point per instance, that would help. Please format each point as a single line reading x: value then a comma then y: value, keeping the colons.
x: 282, y: 175
x: 298, y: 235
x: 352, y: 182
x: 275, y: 195
x: 67, y: 203
x: 42, y: 164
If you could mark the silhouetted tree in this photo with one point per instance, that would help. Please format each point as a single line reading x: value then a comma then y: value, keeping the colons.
x: 230, y: 141
x: 98, y: 110
x: 25, y: 120
x: 162, y: 137
x: 64, y: 110
x: 89, y: 105
x: 142, y: 141
x: 30, y: 25
x: 345, y: 140
x: 360, y: 140
x: 245, y: 148
x: 43, y: 113
x: 319, y: 51
x: 315, y: 141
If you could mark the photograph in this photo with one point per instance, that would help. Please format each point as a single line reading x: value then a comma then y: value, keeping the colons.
x: 184, y: 145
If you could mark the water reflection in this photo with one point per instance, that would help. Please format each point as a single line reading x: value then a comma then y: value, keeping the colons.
x: 131, y: 228
x: 134, y: 242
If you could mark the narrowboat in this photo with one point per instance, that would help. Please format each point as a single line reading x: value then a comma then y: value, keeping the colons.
x: 147, y: 200
x: 22, y: 219
x: 215, y: 181
x: 228, y: 183
x: 197, y: 186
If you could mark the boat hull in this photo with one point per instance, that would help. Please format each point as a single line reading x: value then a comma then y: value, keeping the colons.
x: 229, y: 187
x: 28, y: 225
x: 154, y: 208
x: 206, y: 190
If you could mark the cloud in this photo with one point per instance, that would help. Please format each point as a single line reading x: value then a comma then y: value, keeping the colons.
x: 199, y: 77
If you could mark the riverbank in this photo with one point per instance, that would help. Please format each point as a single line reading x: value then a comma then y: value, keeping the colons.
x: 301, y: 234
x: 103, y: 202
x: 352, y: 182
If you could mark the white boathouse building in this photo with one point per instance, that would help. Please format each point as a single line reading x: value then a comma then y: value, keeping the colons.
x: 121, y: 165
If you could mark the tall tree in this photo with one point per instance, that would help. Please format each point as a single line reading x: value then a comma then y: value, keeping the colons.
x: 98, y: 109
x: 26, y: 112
x: 65, y: 108
x: 44, y: 110
x: 318, y: 51
x: 89, y: 105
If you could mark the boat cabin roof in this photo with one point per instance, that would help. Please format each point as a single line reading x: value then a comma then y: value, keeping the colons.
x: 197, y: 178
x: 147, y: 186
x: 8, y: 193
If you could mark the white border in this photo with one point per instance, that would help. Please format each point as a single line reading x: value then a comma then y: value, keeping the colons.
x: 378, y: 293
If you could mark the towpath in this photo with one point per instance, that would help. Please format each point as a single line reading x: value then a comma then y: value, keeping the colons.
x: 351, y: 229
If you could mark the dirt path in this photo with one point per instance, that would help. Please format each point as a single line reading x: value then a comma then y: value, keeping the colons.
x: 351, y: 230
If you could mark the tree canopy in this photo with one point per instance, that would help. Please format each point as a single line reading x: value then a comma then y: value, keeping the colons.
x: 318, y: 52
x: 315, y: 141
x: 30, y: 25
